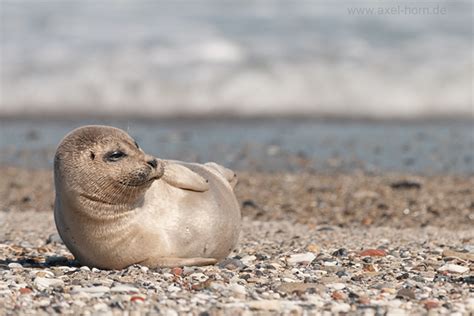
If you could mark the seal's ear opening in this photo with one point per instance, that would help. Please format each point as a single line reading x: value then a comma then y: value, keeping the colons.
x: 92, y: 155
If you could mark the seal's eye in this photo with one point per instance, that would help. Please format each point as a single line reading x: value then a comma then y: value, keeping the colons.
x: 115, y: 155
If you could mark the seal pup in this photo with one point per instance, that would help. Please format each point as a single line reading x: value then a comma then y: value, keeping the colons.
x: 116, y: 206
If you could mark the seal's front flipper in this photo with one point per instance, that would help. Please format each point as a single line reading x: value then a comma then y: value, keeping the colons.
x: 228, y: 174
x: 177, y: 262
x: 184, y: 178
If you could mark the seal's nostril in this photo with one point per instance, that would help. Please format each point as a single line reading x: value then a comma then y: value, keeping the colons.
x: 153, y: 163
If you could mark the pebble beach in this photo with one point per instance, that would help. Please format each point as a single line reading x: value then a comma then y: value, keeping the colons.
x: 312, y: 244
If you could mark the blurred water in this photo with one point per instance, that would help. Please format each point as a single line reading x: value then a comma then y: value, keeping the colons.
x: 268, y: 145
x: 149, y: 58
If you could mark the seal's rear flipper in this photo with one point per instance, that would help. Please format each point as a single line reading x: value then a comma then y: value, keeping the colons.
x: 228, y: 174
x: 184, y: 178
x: 177, y: 262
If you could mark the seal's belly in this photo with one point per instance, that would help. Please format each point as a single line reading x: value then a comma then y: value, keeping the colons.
x: 193, y: 224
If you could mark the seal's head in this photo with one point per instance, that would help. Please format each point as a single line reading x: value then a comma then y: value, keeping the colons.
x: 103, y: 164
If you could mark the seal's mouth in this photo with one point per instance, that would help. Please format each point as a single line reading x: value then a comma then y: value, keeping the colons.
x: 155, y: 174
x: 139, y: 184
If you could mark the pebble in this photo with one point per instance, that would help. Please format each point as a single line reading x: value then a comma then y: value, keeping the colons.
x: 238, y: 290
x: 405, y: 184
x: 25, y: 290
x: 313, y: 248
x: 173, y: 289
x: 177, y: 271
x: 93, y: 291
x: 456, y: 254
x: 44, y: 302
x: 406, y: 293
x: 330, y: 263
x: 248, y: 259
x: 297, y: 287
x: 15, y: 265
x: 469, y: 248
x: 45, y: 283
x: 431, y: 304
x: 258, y: 277
x: 42, y: 273
x: 373, y: 253
x: 340, y: 308
x: 453, y: 268
x: 231, y: 264
x: 307, y: 258
x: 341, y: 252
x: 198, y: 276
x: 124, y: 288
x: 137, y: 299
x: 336, y: 286
x: 338, y: 296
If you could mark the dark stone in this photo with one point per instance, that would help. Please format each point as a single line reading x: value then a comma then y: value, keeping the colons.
x: 249, y: 203
x: 325, y: 228
x: 406, y: 294
x: 231, y: 264
x: 245, y: 276
x: 403, y: 276
x: 405, y: 184
x: 261, y: 257
x: 468, y: 279
x: 367, y: 259
x: 26, y: 199
x: 341, y: 252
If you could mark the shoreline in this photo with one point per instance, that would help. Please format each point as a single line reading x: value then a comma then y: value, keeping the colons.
x: 281, y: 145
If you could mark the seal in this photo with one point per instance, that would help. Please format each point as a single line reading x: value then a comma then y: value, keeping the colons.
x: 116, y: 205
